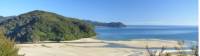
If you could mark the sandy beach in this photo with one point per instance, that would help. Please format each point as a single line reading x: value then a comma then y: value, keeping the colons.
x: 92, y: 47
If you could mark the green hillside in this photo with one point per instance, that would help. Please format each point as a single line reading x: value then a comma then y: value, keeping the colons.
x: 40, y: 25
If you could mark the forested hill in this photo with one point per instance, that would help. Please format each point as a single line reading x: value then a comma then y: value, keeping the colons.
x: 40, y: 25
x: 110, y: 24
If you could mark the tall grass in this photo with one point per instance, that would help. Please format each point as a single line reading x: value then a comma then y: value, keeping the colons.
x: 179, y: 48
x: 157, y: 53
x: 7, y: 46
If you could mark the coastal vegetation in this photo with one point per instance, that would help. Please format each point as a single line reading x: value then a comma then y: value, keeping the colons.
x: 7, y: 46
x: 180, y: 51
x: 40, y: 25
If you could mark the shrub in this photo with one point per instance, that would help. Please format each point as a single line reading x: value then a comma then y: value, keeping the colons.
x: 195, y: 50
x: 179, y: 48
x: 160, y: 53
x: 7, y: 47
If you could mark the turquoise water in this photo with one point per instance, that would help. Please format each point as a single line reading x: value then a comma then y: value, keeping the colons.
x: 186, y: 33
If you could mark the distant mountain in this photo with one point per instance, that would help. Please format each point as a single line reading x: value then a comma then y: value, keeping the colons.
x: 2, y: 18
x: 40, y: 25
x: 5, y: 18
x: 110, y: 24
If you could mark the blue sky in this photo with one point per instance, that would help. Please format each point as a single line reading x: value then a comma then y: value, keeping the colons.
x: 131, y: 12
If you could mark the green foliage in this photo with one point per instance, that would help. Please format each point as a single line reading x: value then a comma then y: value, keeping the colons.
x: 41, y: 25
x: 7, y: 47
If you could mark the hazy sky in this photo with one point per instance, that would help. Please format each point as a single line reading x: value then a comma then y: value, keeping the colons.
x: 132, y: 12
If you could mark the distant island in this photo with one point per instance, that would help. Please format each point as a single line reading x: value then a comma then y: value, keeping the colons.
x: 110, y: 24
x: 41, y: 25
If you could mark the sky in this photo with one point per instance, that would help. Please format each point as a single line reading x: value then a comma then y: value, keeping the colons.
x: 130, y: 12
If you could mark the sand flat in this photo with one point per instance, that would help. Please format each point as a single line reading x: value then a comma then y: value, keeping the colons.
x: 89, y: 47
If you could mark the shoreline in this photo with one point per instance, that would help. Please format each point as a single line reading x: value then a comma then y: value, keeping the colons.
x: 187, y: 43
x: 151, y: 39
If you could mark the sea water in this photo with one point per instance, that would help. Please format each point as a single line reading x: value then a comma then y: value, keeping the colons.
x: 186, y: 33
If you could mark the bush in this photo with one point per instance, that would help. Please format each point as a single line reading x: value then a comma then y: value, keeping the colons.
x: 194, y: 51
x: 7, y: 47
